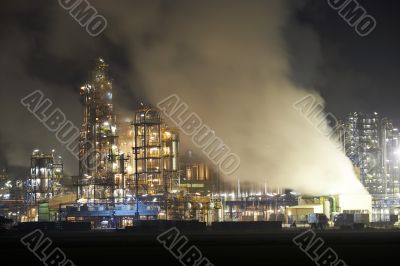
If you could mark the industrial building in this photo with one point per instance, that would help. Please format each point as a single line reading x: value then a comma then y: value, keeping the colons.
x: 198, y: 176
x: 5, y: 185
x: 132, y: 169
x: 42, y: 185
x: 372, y: 144
x: 98, y: 151
x: 45, y: 177
x: 127, y: 168
x: 328, y: 205
x: 156, y: 153
x: 11, y: 196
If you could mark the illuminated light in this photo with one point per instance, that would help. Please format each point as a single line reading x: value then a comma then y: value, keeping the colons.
x: 397, y: 152
x: 129, y: 168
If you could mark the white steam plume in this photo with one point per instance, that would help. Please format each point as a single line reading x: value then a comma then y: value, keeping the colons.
x: 229, y: 62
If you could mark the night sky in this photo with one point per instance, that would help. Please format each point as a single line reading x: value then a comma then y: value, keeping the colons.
x: 42, y: 47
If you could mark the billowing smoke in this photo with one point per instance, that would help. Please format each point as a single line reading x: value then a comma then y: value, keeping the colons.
x: 228, y: 60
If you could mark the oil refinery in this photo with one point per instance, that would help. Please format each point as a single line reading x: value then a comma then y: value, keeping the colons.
x: 199, y: 133
x: 132, y: 170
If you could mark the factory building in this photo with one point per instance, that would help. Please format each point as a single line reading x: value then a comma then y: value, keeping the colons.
x: 146, y: 174
x: 372, y: 144
x: 170, y: 154
x: 5, y: 185
x: 155, y: 160
x: 42, y: 185
x: 147, y: 152
x: 45, y: 177
x: 125, y: 143
x: 126, y: 167
x: 132, y: 169
x: 98, y: 153
x: 12, y: 195
x: 198, y: 176
x: 155, y: 154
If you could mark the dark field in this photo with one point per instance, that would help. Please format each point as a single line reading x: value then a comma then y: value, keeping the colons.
x: 276, y: 248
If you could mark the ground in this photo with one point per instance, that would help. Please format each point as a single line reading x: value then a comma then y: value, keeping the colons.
x: 244, y: 248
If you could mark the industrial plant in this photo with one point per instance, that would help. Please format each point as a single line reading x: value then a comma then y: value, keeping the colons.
x: 135, y: 170
x: 372, y: 144
x: 199, y: 133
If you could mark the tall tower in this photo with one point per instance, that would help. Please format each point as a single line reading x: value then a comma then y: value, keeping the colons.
x: 156, y: 154
x: 363, y: 145
x: 98, y: 151
x: 44, y: 180
x: 170, y: 154
x: 147, y: 151
x: 372, y: 144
